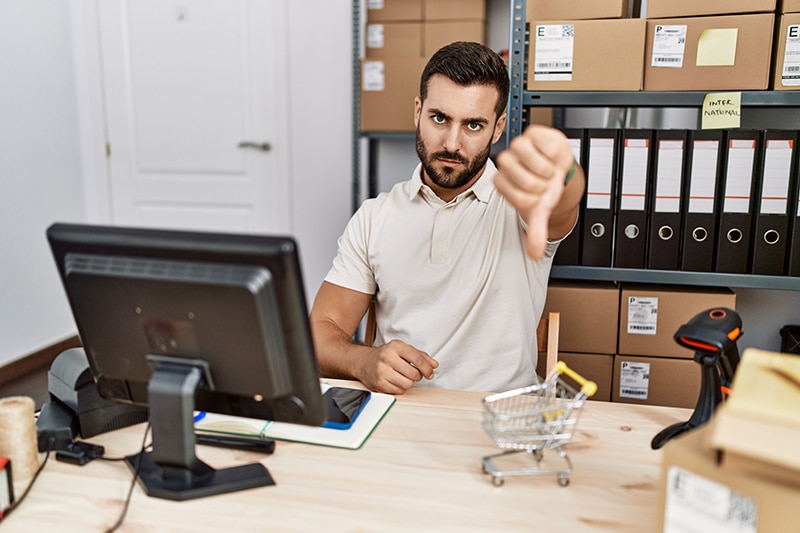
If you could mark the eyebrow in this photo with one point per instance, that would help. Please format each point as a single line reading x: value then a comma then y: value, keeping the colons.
x: 468, y: 120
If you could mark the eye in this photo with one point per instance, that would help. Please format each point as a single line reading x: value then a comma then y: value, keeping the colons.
x: 438, y: 119
x: 474, y: 126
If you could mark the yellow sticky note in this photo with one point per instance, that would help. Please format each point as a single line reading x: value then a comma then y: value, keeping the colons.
x: 717, y: 47
x: 721, y: 110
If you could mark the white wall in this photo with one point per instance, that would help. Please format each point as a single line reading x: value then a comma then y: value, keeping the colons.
x: 320, y: 118
x: 39, y: 170
x: 40, y: 154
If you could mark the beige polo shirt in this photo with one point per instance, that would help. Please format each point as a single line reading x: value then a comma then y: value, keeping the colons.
x: 451, y: 279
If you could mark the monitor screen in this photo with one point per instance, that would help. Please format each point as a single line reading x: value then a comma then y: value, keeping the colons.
x: 160, y: 312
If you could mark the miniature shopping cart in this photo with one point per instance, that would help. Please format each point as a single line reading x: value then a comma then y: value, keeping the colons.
x: 533, y: 419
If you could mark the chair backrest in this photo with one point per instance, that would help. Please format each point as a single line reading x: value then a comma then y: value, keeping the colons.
x: 369, y: 328
x: 547, y: 340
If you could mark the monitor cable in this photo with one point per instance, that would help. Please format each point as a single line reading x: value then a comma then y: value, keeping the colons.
x: 133, y: 481
x: 17, y: 503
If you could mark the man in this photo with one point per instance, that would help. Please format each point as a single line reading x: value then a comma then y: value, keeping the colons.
x: 457, y: 257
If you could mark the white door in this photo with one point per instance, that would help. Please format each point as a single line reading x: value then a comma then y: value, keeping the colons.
x: 195, y: 104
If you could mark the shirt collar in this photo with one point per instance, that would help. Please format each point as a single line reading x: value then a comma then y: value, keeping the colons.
x: 482, y: 189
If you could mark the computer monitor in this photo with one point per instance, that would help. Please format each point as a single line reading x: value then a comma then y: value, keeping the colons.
x: 182, y: 321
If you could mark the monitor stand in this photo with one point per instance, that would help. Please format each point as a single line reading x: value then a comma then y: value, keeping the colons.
x: 172, y: 470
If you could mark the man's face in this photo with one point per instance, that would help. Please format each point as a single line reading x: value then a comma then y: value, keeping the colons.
x: 456, y: 127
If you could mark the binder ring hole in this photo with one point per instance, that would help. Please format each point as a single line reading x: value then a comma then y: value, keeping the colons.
x: 665, y: 233
x: 631, y: 231
x: 734, y: 235
x: 771, y: 236
x: 597, y: 229
x: 699, y: 234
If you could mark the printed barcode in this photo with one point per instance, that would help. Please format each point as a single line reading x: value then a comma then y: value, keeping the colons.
x: 554, y: 64
x: 742, y: 511
x: 661, y: 59
x: 643, y: 328
x: 633, y: 392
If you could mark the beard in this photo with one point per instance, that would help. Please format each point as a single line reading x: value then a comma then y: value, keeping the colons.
x: 448, y: 178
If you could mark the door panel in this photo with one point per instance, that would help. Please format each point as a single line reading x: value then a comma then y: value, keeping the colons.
x: 185, y: 84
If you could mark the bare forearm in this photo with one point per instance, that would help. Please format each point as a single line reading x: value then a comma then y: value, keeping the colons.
x: 338, y: 355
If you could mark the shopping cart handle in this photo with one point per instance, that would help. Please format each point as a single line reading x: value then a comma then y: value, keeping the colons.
x: 588, y: 387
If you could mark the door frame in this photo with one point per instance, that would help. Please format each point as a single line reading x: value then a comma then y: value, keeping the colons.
x: 91, y: 112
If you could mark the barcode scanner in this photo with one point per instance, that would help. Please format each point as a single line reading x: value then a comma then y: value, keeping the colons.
x: 712, y: 334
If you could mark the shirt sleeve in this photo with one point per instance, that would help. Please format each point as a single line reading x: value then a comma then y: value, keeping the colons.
x: 351, y: 266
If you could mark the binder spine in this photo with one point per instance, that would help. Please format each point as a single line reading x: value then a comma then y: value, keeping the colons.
x: 666, y: 205
x: 771, y: 238
x: 739, y: 165
x: 569, y: 250
x: 597, y: 237
x: 700, y: 221
x: 632, y: 198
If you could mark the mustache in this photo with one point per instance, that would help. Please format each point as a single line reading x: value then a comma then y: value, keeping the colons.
x: 453, y: 156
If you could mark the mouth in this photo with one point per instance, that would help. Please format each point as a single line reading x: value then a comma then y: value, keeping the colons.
x: 449, y: 162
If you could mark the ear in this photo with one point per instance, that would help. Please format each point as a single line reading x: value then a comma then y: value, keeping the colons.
x: 499, y: 127
x: 417, y: 110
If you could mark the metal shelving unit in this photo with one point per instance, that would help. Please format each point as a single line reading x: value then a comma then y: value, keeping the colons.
x: 520, y: 99
x: 750, y: 99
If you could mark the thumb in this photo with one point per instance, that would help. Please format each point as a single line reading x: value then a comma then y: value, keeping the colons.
x: 536, y: 235
x: 538, y: 218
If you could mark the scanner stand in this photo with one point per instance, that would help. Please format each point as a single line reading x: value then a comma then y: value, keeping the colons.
x: 172, y: 470
x: 707, y: 401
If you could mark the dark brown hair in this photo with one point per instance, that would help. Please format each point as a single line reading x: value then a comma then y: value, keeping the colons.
x: 466, y: 64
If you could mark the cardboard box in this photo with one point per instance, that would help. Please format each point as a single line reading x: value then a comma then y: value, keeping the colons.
x: 540, y: 115
x: 589, y: 315
x: 393, y: 39
x: 542, y: 10
x: 789, y: 6
x: 596, y: 367
x: 699, y: 495
x: 651, y: 314
x: 693, y: 8
x: 454, y: 10
x: 732, y: 52
x: 786, y: 76
x: 438, y: 34
x: 394, y: 10
x: 597, y: 55
x: 758, y: 427
x: 656, y: 381
x: 388, y: 89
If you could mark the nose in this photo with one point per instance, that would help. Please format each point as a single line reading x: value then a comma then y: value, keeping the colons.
x: 452, y: 139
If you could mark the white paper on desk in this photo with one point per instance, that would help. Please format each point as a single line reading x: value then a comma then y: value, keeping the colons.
x: 351, y: 438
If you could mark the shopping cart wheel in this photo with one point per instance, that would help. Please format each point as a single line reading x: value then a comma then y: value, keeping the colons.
x: 498, y: 481
x: 563, y: 481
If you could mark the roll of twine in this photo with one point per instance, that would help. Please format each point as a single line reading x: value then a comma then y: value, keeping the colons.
x: 18, y: 435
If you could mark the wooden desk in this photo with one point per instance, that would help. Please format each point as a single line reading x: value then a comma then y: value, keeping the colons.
x: 419, y: 471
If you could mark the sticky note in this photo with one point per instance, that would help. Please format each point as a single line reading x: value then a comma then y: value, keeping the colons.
x: 717, y: 47
x: 721, y: 110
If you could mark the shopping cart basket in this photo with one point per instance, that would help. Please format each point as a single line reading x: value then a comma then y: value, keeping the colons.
x: 535, y: 418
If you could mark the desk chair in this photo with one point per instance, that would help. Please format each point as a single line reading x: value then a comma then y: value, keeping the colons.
x: 547, y: 340
x: 369, y: 328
